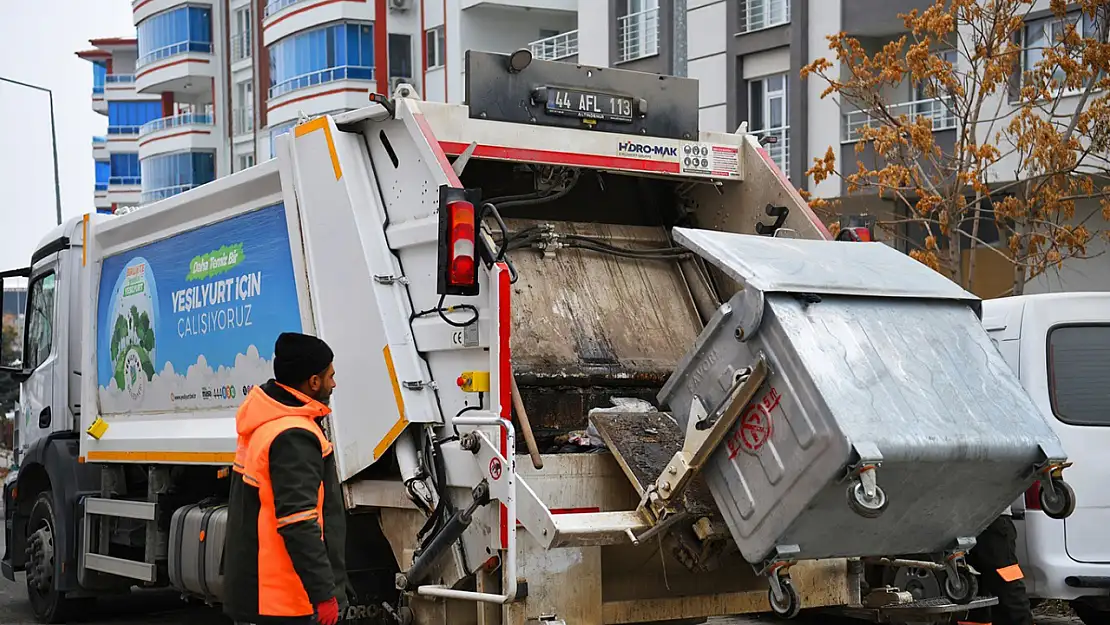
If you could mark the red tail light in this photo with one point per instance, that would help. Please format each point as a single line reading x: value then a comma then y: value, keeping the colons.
x: 1033, y: 497
x: 458, y: 245
x: 863, y: 233
x: 461, y: 244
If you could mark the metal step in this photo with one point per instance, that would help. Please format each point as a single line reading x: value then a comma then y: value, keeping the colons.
x: 122, y: 509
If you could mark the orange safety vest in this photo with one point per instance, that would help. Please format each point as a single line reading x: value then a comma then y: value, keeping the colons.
x: 280, y: 591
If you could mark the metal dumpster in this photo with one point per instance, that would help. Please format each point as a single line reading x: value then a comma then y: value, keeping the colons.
x: 887, y: 424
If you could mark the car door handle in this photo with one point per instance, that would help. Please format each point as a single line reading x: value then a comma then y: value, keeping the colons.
x: 44, y: 418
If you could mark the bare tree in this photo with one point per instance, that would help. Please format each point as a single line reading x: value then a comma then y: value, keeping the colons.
x: 1032, y: 132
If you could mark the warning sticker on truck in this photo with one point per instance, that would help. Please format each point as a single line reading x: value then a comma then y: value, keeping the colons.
x: 708, y: 159
x: 189, y: 322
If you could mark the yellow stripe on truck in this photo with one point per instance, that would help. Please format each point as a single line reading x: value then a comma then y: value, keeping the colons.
x: 317, y: 124
x: 175, y: 457
x: 398, y: 427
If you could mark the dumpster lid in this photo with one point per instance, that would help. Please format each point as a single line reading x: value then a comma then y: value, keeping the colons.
x: 783, y: 265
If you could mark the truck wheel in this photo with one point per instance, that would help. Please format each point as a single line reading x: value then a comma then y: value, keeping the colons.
x: 48, y: 603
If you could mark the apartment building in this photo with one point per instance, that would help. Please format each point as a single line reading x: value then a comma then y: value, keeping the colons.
x: 116, y: 154
x: 206, y: 85
x: 748, y: 55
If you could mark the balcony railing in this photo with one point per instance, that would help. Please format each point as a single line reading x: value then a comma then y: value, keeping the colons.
x: 938, y: 110
x: 242, y: 121
x: 160, y: 194
x: 780, y: 150
x: 273, y: 6
x: 100, y: 140
x: 555, y: 47
x: 100, y: 186
x: 125, y: 181
x: 346, y: 72
x: 240, y: 47
x: 119, y: 78
x: 638, y: 35
x: 123, y: 130
x: 176, y: 121
x: 98, y: 89
x: 175, y: 49
x: 759, y: 14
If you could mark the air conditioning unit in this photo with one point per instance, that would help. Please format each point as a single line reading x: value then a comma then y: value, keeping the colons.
x: 397, y: 81
x: 400, y: 5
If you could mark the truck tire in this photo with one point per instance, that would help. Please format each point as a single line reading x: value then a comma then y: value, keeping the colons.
x: 48, y: 603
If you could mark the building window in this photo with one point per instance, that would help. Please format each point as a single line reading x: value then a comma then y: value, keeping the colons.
x: 757, y: 14
x: 40, y: 324
x: 99, y: 74
x: 400, y: 56
x: 185, y: 29
x: 769, y: 117
x: 638, y: 30
x: 436, y: 41
x: 1077, y: 370
x: 315, y: 57
x: 241, y: 40
x: 277, y: 131
x: 246, y: 161
x: 124, y: 169
x: 167, y: 175
x: 1047, y: 32
x: 125, y: 118
x: 103, y: 173
x: 243, y: 115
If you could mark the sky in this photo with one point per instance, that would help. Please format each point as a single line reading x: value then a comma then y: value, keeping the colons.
x: 38, y: 39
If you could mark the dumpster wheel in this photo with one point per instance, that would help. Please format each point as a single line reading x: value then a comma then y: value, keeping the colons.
x: 867, y: 507
x: 790, y: 604
x: 1060, y: 502
x: 961, y: 586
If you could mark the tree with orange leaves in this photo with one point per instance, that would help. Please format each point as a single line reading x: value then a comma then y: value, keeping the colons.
x: 1031, y: 113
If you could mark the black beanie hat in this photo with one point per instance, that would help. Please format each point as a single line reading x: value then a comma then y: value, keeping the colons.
x: 298, y: 357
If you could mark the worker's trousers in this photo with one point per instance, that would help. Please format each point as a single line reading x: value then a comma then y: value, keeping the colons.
x: 995, y: 558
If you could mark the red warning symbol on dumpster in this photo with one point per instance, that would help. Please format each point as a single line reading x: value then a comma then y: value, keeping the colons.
x: 755, y: 426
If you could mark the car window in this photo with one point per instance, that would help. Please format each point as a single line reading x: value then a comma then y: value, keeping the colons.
x: 1078, y: 368
x: 40, y: 321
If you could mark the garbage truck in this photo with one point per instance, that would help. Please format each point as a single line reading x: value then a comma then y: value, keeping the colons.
x: 594, y: 365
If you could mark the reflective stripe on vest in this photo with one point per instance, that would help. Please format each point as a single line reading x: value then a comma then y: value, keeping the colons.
x: 280, y: 591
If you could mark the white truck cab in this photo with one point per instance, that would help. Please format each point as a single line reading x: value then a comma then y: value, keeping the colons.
x: 1059, y: 345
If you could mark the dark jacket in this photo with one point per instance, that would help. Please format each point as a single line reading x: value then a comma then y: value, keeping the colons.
x: 298, y: 466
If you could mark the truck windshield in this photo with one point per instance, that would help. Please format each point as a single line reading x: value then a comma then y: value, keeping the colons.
x: 1078, y: 367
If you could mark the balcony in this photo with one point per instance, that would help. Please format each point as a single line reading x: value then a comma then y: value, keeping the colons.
x: 555, y: 47
x: 100, y: 148
x: 273, y: 6
x: 100, y: 196
x: 144, y: 9
x: 154, y: 195
x: 118, y: 79
x: 282, y: 18
x: 638, y: 35
x: 780, y: 150
x: 240, y: 47
x: 938, y: 110
x: 760, y: 14
x: 183, y: 132
x: 185, y: 67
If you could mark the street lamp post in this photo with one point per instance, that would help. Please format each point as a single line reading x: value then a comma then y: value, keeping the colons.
x: 53, y: 140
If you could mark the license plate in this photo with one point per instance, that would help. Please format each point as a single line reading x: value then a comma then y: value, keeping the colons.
x: 589, y: 105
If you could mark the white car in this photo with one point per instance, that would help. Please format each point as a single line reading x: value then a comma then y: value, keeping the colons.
x: 1059, y: 345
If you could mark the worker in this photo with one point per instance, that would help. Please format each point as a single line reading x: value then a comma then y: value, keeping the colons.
x: 995, y: 558
x: 284, y: 561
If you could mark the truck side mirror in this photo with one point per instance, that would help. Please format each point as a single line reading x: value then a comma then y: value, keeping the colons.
x: 13, y: 311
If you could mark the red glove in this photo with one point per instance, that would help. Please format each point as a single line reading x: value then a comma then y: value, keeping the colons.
x: 327, y: 613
